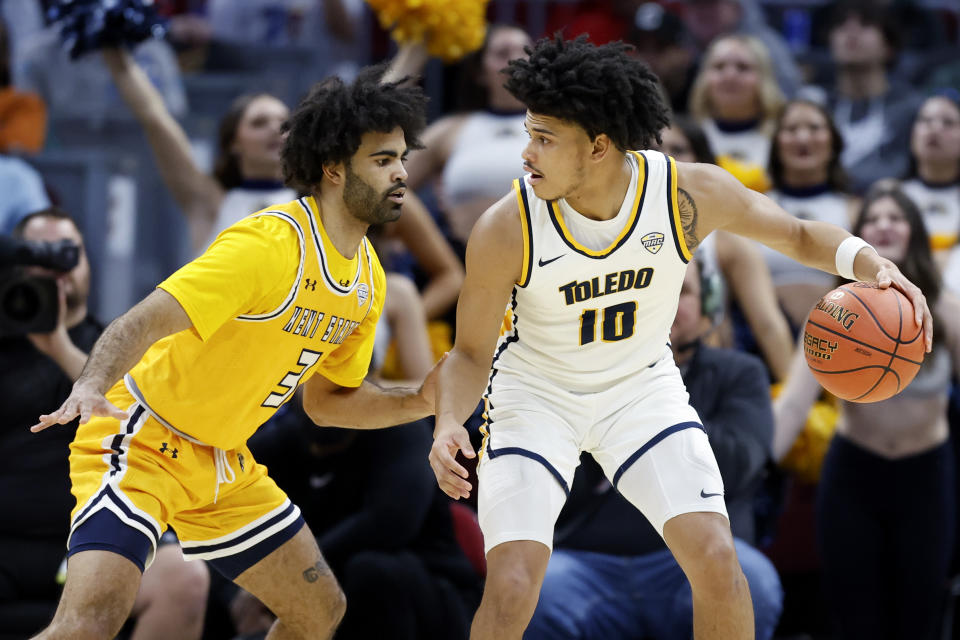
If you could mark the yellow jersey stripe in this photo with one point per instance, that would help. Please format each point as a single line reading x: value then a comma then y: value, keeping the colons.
x: 527, y: 265
x: 558, y: 222
x: 675, y: 222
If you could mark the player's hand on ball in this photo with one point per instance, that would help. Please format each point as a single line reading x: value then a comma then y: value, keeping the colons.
x: 451, y: 475
x: 84, y: 402
x: 889, y: 275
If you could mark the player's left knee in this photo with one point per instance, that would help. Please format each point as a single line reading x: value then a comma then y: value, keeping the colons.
x: 190, y: 588
x: 179, y: 587
x: 715, y: 567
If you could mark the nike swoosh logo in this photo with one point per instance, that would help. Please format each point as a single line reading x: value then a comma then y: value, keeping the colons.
x: 703, y: 494
x: 544, y: 263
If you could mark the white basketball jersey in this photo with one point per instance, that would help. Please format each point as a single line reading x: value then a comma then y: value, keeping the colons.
x: 596, y: 299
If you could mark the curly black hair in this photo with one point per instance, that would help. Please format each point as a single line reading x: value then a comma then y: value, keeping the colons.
x: 327, y: 125
x: 602, y: 89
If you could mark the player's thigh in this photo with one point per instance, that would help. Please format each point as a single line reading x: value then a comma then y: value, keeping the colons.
x: 98, y: 594
x: 527, y: 460
x: 294, y: 581
x: 519, y: 498
x: 672, y: 474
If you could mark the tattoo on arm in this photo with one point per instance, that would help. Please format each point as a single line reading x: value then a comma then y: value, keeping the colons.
x: 317, y: 571
x: 688, y: 218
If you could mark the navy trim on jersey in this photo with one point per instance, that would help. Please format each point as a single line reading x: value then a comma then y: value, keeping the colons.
x: 233, y: 542
x: 644, y: 175
x: 332, y: 284
x: 296, y: 283
x: 96, y: 505
x: 672, y: 214
x: 233, y: 565
x: 105, y: 531
x: 528, y: 240
x: 650, y: 443
x: 526, y: 453
x: 117, y: 442
x: 503, y: 346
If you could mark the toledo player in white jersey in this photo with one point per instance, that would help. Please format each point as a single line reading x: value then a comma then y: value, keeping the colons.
x: 288, y: 295
x: 588, y: 254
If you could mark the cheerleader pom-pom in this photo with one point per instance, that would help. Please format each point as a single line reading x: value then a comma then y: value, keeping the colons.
x: 89, y: 25
x: 450, y: 29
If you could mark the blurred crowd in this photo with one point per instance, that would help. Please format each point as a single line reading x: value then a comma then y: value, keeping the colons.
x: 845, y: 515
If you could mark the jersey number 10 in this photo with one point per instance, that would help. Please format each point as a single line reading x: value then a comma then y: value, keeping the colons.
x: 616, y: 323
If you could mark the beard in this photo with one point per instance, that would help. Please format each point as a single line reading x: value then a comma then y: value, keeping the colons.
x: 365, y: 203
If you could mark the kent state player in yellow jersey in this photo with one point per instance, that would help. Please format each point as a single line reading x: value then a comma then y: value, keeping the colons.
x: 590, y: 251
x: 174, y: 387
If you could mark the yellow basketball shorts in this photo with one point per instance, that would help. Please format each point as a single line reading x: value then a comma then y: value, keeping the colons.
x: 133, y: 478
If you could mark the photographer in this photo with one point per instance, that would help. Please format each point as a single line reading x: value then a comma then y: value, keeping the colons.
x: 36, y: 372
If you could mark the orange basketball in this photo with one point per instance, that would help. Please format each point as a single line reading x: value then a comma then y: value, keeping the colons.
x: 862, y: 343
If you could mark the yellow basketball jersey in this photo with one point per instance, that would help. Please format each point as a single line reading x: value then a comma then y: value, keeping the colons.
x: 269, y: 310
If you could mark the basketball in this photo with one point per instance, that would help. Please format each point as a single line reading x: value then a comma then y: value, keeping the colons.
x: 862, y: 343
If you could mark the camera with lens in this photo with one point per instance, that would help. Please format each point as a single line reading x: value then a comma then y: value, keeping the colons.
x: 29, y: 303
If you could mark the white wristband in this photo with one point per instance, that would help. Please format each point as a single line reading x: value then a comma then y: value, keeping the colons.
x: 847, y: 253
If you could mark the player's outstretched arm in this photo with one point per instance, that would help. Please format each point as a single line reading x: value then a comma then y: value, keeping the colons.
x: 119, y: 348
x: 494, y: 263
x: 197, y: 193
x: 709, y: 198
x: 368, y: 406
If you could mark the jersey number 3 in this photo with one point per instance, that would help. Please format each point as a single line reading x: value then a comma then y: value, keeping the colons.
x: 617, y: 323
x: 290, y: 381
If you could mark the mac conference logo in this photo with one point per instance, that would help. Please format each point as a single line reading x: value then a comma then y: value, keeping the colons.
x: 652, y: 241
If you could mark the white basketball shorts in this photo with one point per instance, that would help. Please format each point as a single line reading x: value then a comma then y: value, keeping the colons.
x: 642, y: 431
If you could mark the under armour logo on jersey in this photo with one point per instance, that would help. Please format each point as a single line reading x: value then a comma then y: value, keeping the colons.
x: 309, y: 284
x: 165, y: 448
x: 344, y: 283
x: 652, y: 241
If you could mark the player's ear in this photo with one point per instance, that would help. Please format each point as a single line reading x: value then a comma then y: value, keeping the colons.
x: 601, y: 147
x: 334, y: 172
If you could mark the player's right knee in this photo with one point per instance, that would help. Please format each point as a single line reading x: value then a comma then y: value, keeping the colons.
x: 320, y: 613
x: 513, y: 587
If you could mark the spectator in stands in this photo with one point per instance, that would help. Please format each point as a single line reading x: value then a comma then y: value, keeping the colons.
x: 740, y: 264
x: 384, y: 526
x: 661, y: 40
x: 36, y: 372
x: 933, y: 181
x: 401, y: 349
x: 735, y: 98
x: 809, y: 182
x: 872, y: 113
x: 708, y: 20
x: 887, y: 498
x: 474, y: 154
x: 611, y: 577
x: 23, y: 116
x: 21, y: 192
x: 247, y: 175
x: 81, y: 88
